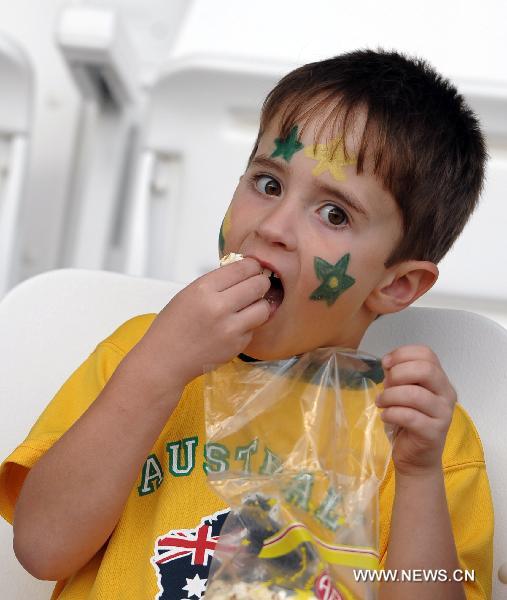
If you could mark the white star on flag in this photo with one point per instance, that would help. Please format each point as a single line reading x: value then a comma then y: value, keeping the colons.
x: 195, y: 587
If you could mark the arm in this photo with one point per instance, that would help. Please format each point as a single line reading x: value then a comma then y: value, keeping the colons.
x: 421, y: 538
x: 73, y: 497
x: 419, y: 399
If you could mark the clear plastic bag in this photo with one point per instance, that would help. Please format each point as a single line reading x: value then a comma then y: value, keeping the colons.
x: 298, y: 450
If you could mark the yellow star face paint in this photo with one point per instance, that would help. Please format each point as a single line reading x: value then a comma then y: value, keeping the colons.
x: 331, y: 158
x: 333, y: 282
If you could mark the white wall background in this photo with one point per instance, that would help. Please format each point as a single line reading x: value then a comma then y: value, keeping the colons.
x: 461, y: 38
x: 152, y: 24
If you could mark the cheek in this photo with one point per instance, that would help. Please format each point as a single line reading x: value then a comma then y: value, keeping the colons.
x: 243, y: 215
x: 332, y: 279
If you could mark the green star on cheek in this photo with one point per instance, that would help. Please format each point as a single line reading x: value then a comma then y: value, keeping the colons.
x: 224, y: 229
x: 287, y: 147
x: 334, y: 279
x: 221, y: 239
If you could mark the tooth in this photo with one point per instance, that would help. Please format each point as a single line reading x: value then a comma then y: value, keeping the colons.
x: 267, y: 272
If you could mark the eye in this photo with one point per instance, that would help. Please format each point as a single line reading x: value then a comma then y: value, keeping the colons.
x: 268, y: 185
x: 334, y: 215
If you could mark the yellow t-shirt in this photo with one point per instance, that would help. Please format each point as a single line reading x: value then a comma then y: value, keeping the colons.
x: 163, y: 543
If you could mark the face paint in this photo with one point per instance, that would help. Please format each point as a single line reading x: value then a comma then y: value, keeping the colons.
x: 334, y: 279
x: 224, y: 229
x: 331, y: 158
x: 287, y: 147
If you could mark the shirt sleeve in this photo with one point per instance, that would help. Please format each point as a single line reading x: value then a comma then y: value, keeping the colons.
x: 70, y: 402
x: 471, y: 510
x: 469, y: 502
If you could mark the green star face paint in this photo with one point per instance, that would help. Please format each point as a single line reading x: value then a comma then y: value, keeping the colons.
x: 287, y: 147
x: 221, y: 239
x: 334, y: 279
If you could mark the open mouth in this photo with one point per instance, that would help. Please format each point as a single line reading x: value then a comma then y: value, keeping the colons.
x: 275, y: 293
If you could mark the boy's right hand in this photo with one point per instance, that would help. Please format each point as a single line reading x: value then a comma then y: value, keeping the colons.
x: 207, y: 323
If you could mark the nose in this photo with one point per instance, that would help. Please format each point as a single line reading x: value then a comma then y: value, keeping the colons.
x: 278, y: 226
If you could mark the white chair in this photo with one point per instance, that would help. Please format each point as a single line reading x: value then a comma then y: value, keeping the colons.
x: 49, y: 324
x: 473, y: 351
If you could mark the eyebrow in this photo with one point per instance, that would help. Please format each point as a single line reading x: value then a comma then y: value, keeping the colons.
x: 261, y: 160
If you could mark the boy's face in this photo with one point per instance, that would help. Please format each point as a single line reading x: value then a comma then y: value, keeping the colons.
x: 324, y: 229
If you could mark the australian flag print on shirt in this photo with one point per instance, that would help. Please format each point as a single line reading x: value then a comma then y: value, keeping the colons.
x: 183, y: 556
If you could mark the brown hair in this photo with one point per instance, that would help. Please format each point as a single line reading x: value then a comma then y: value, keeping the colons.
x: 424, y: 142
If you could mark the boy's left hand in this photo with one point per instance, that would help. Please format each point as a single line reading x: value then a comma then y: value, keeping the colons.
x: 419, y: 399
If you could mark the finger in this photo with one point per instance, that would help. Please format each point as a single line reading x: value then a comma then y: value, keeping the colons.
x: 246, y: 292
x: 412, y: 421
x: 419, y: 372
x: 407, y: 353
x: 225, y: 277
x: 252, y: 316
x: 412, y: 396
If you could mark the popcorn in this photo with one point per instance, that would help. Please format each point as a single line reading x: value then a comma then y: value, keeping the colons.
x: 220, y: 590
x: 234, y: 257
x: 230, y: 258
x: 300, y: 520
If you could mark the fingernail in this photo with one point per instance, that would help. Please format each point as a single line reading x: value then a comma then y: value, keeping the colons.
x: 386, y: 361
x: 377, y: 400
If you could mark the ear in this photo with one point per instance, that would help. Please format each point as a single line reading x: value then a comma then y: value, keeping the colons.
x: 404, y: 283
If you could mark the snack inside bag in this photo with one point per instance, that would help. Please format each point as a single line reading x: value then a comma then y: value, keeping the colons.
x: 298, y: 450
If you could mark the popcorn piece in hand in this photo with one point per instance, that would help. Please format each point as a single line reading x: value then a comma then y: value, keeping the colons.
x: 230, y: 258
x: 234, y: 257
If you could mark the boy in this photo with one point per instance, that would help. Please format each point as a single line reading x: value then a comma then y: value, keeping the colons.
x: 365, y: 170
